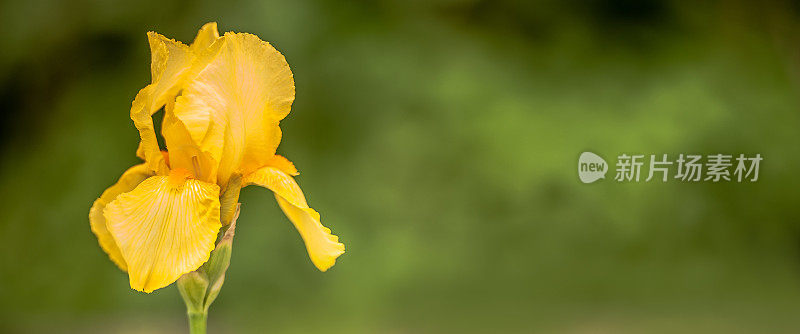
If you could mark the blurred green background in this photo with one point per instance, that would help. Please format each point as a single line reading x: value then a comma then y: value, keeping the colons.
x: 439, y: 140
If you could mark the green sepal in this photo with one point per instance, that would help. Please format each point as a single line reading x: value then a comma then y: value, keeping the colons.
x: 229, y: 200
x: 193, y: 287
x: 201, y: 287
x: 216, y: 266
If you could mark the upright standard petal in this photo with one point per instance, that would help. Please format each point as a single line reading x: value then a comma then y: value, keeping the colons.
x: 323, y: 247
x: 185, y: 153
x: 164, y: 228
x: 127, y: 182
x: 170, y: 63
x: 233, y: 104
x: 205, y: 37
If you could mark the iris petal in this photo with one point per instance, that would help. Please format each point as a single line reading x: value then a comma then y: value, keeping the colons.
x: 164, y: 228
x: 233, y: 104
x: 323, y: 247
x: 283, y: 164
x: 170, y: 62
x: 205, y: 37
x: 170, y: 65
x: 185, y: 152
x: 127, y: 182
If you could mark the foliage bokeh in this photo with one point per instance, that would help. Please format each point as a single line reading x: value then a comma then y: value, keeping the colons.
x: 439, y: 141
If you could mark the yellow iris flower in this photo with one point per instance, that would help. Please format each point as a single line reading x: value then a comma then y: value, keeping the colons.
x: 223, y: 98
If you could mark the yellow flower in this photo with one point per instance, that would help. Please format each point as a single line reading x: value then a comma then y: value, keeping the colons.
x: 223, y: 98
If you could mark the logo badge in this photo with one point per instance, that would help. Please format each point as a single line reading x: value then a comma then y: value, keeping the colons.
x: 591, y: 167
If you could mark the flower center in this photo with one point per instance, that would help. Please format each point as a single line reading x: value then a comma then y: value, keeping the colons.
x: 178, y: 176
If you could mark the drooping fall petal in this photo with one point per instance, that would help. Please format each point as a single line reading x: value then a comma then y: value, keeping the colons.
x: 279, y: 162
x: 323, y: 247
x: 232, y: 105
x: 164, y: 228
x: 127, y: 182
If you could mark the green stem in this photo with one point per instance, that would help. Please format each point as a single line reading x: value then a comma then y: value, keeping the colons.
x: 199, y: 288
x: 197, y: 322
